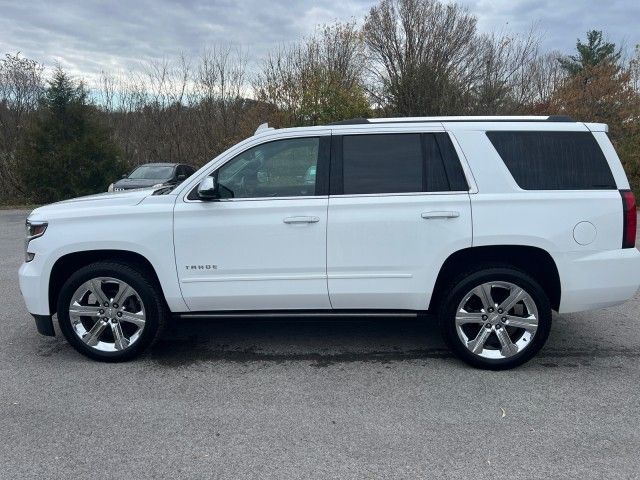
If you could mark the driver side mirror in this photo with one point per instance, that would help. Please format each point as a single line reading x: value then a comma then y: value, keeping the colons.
x: 208, y: 189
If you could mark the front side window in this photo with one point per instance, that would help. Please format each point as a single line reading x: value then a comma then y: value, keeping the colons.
x: 283, y: 168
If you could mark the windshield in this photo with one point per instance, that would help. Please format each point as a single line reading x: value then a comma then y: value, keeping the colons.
x: 148, y: 172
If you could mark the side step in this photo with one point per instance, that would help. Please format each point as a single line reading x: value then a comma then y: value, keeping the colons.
x: 274, y: 314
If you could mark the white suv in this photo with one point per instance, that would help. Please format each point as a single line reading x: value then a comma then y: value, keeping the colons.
x: 490, y: 223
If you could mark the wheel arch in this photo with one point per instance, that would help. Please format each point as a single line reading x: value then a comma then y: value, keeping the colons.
x: 69, y: 263
x: 534, y: 261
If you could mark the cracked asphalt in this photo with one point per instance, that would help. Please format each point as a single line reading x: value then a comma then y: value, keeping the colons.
x: 315, y: 399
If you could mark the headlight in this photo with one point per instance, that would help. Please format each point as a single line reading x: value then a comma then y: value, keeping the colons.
x: 34, y: 230
x: 110, y: 189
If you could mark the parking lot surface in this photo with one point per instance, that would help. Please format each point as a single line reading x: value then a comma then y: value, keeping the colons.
x: 315, y: 399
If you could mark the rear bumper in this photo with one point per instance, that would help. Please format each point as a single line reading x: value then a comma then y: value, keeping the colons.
x: 591, y: 281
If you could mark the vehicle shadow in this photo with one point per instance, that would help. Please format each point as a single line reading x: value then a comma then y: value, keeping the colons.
x: 321, y: 342
x: 324, y: 342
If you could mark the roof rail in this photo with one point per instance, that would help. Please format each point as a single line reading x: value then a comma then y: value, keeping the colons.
x: 521, y: 118
x: 351, y: 121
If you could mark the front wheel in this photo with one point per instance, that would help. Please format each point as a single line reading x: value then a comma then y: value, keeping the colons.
x: 495, y: 318
x: 110, y: 311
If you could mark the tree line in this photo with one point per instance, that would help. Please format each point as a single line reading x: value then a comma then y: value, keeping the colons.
x: 61, y: 137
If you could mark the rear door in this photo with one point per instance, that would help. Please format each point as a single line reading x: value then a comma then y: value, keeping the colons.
x: 399, y: 206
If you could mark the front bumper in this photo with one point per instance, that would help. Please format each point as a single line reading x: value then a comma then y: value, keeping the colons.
x: 36, y: 296
x: 34, y: 286
x: 44, y: 325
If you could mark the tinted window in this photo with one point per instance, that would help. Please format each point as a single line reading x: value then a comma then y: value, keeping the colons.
x: 382, y: 163
x: 284, y: 168
x: 436, y: 177
x: 185, y: 170
x: 554, y: 160
x: 453, y: 169
x: 400, y: 163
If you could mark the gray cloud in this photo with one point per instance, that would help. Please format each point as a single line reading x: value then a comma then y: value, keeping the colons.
x: 561, y: 22
x: 86, y: 37
x: 89, y: 36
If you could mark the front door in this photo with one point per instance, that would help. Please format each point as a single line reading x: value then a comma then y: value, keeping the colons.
x: 264, y: 246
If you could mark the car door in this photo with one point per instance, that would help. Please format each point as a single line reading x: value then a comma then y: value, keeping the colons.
x: 263, y: 246
x: 399, y: 206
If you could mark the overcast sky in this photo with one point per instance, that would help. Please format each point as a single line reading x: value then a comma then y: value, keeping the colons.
x: 88, y: 36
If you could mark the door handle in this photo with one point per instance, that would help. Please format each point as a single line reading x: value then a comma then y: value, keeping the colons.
x: 301, y: 220
x: 432, y: 215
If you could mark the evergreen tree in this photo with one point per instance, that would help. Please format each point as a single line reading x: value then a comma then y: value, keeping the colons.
x: 590, y: 54
x: 66, y: 151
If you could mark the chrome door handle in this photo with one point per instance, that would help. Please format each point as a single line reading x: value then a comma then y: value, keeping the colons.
x: 301, y: 220
x: 432, y: 215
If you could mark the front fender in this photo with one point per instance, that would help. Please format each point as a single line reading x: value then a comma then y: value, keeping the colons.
x: 148, y: 233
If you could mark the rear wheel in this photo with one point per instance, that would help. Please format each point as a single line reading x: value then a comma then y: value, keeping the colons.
x: 495, y: 318
x: 110, y: 311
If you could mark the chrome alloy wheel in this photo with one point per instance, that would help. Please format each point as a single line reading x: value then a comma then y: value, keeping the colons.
x: 496, y: 320
x: 107, y: 314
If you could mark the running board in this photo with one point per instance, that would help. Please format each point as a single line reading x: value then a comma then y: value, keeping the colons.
x: 302, y: 314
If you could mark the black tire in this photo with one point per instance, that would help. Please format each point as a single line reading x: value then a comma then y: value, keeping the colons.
x: 464, y: 284
x: 149, y: 293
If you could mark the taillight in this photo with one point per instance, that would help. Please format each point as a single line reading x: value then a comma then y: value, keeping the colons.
x: 630, y: 219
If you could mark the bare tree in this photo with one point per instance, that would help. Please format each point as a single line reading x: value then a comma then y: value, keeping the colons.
x: 544, y: 76
x: 634, y: 69
x: 424, y: 56
x: 220, y: 92
x: 21, y: 87
x: 179, y: 110
x: 317, y: 81
x: 504, y: 84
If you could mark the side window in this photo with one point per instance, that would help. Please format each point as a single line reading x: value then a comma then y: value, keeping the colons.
x: 400, y: 163
x: 282, y: 168
x: 383, y: 163
x: 435, y: 174
x: 553, y: 160
x: 453, y: 169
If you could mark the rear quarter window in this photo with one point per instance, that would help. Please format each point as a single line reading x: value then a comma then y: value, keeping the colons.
x: 553, y: 160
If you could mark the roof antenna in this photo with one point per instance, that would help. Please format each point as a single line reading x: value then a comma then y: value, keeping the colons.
x: 264, y: 127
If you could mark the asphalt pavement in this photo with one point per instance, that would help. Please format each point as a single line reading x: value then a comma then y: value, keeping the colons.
x: 311, y: 399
